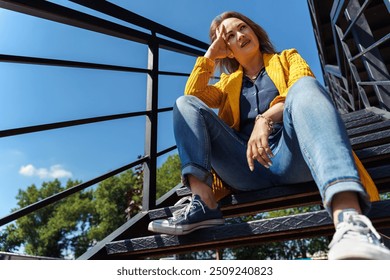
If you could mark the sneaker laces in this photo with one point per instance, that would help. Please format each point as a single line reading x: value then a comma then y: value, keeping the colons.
x: 182, y: 213
x: 357, y: 227
x: 182, y: 200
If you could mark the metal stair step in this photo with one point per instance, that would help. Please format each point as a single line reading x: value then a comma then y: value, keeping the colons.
x: 276, y: 197
x: 353, y: 116
x: 378, y: 126
x: 265, y: 230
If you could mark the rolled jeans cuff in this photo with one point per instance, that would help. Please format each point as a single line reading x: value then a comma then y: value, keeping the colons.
x: 345, y: 186
x: 199, y: 172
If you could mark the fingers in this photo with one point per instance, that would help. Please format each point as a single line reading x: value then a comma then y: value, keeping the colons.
x: 220, y: 31
x: 221, y: 37
x: 265, y: 156
x: 217, y: 33
x: 260, y: 151
x: 250, y: 159
x: 267, y: 150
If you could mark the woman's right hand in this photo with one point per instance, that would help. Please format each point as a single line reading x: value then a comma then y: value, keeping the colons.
x: 219, y: 48
x: 258, y: 147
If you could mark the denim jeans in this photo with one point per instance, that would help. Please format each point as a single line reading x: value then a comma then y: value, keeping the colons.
x: 310, y: 144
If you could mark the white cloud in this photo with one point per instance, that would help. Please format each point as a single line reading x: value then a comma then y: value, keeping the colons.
x: 27, y: 170
x: 53, y: 172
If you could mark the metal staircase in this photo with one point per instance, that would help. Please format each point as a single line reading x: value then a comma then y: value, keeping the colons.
x: 352, y: 39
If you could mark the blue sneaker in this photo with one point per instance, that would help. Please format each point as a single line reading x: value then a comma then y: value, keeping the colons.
x: 195, y: 215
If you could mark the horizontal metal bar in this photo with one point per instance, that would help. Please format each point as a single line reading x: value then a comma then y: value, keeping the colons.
x: 175, y: 47
x: 118, y: 12
x: 56, y: 197
x: 68, y: 63
x: 49, y: 126
x: 166, y: 151
x: 58, y: 13
x: 376, y: 44
x: 166, y: 109
x: 78, y: 64
x: 374, y: 83
x: 359, y: 13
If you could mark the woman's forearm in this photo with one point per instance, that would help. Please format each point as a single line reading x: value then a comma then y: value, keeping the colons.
x: 275, y: 113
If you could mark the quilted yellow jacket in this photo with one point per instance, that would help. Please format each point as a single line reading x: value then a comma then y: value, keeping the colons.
x: 284, y: 69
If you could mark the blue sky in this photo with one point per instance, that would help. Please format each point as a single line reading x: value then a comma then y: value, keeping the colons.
x: 32, y: 94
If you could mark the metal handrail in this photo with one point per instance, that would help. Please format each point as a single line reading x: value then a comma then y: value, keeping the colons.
x: 57, y: 13
x: 120, y: 13
x: 56, y: 197
x: 64, y: 124
x: 69, y: 63
x: 172, y: 41
x: 50, y: 126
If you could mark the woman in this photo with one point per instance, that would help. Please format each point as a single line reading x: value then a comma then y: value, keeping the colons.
x: 276, y: 125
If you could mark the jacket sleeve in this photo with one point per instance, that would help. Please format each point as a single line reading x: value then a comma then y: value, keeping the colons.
x: 295, y: 67
x: 198, y: 83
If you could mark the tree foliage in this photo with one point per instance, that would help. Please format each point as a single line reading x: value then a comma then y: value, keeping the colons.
x: 50, y: 231
x: 69, y: 227
x: 116, y: 199
x: 168, y: 175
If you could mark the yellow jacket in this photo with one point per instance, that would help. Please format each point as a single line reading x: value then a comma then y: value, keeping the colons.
x: 284, y: 69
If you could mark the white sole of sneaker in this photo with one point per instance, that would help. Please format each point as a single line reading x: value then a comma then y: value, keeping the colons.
x: 349, y: 251
x: 158, y: 227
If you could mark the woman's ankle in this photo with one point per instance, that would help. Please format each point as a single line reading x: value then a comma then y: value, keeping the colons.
x: 204, y: 191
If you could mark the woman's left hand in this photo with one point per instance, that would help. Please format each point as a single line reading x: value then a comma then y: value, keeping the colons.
x: 258, y: 148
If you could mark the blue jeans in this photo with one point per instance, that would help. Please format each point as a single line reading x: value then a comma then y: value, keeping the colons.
x: 310, y: 144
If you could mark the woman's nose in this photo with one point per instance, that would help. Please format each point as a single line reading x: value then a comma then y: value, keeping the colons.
x: 240, y: 35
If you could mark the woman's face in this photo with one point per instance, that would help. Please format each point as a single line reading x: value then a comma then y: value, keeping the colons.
x: 239, y: 37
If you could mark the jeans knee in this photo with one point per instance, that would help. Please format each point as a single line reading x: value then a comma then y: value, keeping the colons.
x: 184, y: 102
x: 187, y: 107
x: 306, y: 92
x: 180, y: 103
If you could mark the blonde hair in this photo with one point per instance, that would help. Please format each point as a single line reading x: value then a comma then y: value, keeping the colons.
x: 230, y: 65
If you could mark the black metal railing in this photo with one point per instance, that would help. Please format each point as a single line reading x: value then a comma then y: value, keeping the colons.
x: 160, y: 37
x: 358, y: 77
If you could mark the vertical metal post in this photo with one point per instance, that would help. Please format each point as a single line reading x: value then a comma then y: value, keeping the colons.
x: 150, y: 170
x: 334, y: 16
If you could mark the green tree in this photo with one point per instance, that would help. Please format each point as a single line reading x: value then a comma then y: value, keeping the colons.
x: 385, y: 196
x: 50, y: 231
x: 116, y: 199
x: 168, y: 175
x: 69, y: 227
